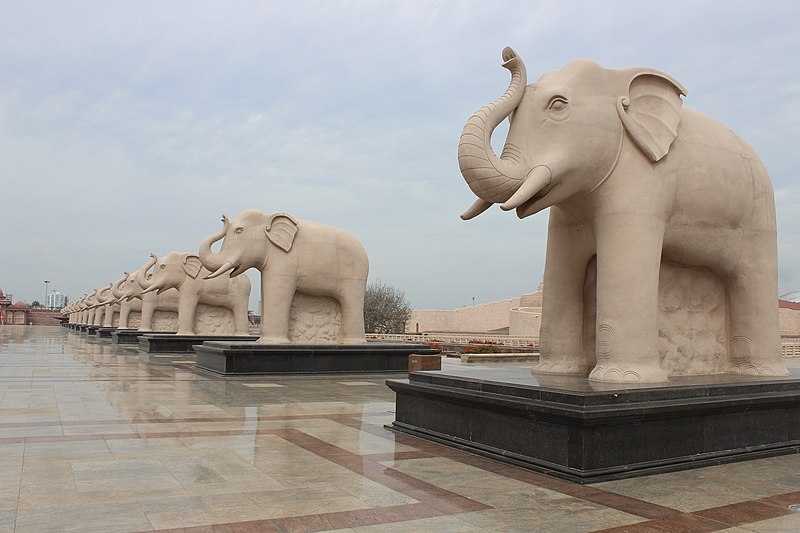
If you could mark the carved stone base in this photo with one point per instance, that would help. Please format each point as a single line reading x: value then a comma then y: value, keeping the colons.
x: 588, y: 432
x: 170, y: 342
x: 131, y: 336
x: 251, y: 358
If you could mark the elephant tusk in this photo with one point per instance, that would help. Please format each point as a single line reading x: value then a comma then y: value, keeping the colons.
x: 538, y: 178
x: 221, y: 270
x: 476, y: 209
x: 151, y: 288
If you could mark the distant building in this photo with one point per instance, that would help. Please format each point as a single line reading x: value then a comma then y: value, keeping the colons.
x: 21, y: 314
x: 17, y: 314
x: 793, y: 297
x: 56, y: 300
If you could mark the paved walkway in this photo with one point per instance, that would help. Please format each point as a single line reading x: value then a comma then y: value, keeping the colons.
x: 95, y: 438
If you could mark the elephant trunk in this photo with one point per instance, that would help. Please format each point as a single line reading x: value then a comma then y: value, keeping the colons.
x: 141, y: 276
x: 104, y: 295
x: 117, y: 287
x: 492, y: 178
x: 211, y: 260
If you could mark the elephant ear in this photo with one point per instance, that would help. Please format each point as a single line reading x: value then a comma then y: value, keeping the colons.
x: 192, y: 265
x: 281, y: 229
x: 652, y: 111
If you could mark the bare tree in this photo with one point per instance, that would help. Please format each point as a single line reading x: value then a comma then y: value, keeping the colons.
x: 386, y: 309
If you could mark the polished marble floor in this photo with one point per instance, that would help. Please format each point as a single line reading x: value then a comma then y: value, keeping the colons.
x: 95, y: 437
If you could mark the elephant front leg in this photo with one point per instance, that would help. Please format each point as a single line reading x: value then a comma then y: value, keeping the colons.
x: 124, y: 314
x: 569, y: 250
x: 277, y: 294
x: 187, y: 306
x: 148, y: 309
x: 626, y: 332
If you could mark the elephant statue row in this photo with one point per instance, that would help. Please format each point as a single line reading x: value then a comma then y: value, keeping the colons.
x: 296, y: 258
x: 635, y: 183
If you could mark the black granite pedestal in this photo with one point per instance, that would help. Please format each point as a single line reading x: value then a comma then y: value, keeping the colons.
x: 105, y: 333
x: 586, y: 432
x: 170, y: 342
x: 92, y: 329
x: 131, y: 336
x: 251, y: 358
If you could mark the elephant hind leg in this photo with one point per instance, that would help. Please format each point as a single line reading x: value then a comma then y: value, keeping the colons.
x: 351, y: 301
x: 754, y: 337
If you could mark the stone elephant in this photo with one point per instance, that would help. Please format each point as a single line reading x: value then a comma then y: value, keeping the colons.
x: 111, y: 307
x: 133, y: 290
x: 184, y: 272
x: 634, y: 181
x: 293, y: 256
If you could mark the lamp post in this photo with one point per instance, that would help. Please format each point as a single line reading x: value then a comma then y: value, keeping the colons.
x: 45, y: 292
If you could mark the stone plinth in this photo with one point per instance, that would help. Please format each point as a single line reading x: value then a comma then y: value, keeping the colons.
x: 171, y: 342
x: 92, y: 330
x: 105, y: 333
x: 131, y: 336
x: 252, y: 358
x: 588, y: 432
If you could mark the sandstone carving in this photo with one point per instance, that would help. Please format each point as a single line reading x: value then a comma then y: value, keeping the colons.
x: 183, y: 272
x: 634, y: 181
x: 300, y: 262
x: 165, y: 303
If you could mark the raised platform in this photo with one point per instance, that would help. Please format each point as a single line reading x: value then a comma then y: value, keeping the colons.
x: 131, y: 336
x: 105, y: 333
x: 588, y: 432
x: 170, y: 342
x: 92, y: 329
x: 251, y: 358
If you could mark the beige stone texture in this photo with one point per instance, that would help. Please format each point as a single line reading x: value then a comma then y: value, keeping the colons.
x: 158, y: 312
x: 313, y: 276
x: 202, y: 302
x: 633, y: 180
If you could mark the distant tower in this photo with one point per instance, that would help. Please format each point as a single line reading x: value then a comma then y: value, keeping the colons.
x: 56, y: 300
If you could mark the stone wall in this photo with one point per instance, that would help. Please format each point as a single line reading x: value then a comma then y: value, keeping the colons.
x: 790, y: 321
x: 488, y: 317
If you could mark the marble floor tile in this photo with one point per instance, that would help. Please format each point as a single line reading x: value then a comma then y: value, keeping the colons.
x: 95, y: 438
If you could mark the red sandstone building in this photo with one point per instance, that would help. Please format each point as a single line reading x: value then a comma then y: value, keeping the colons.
x: 22, y: 314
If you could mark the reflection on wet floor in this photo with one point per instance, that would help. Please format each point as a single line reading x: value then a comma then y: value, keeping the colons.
x: 94, y: 437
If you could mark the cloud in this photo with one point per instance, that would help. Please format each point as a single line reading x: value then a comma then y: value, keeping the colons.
x: 129, y: 128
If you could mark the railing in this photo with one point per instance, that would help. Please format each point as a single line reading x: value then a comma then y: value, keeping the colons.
x: 457, y: 338
x: 791, y: 344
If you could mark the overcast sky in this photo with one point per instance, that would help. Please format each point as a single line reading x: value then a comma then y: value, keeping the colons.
x: 130, y: 127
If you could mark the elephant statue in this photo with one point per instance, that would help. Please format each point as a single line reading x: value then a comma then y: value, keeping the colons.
x: 634, y: 181
x: 126, y: 306
x: 92, y: 308
x: 294, y: 256
x: 184, y: 272
x: 106, y: 298
x: 133, y: 291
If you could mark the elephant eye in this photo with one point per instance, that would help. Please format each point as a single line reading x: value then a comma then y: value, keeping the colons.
x: 162, y: 267
x: 238, y: 230
x: 557, y: 103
